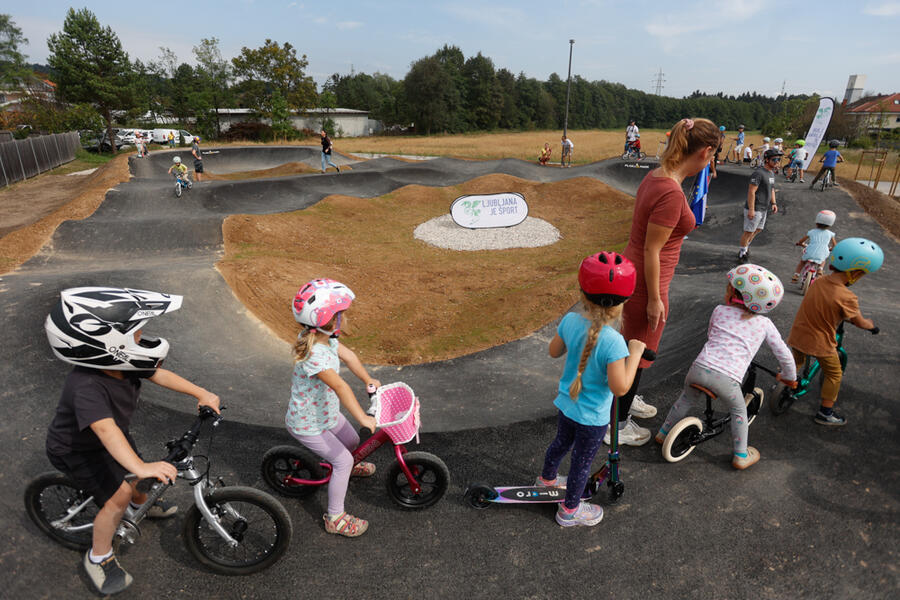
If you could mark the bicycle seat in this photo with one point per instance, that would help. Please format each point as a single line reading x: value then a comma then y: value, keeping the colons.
x: 706, y: 391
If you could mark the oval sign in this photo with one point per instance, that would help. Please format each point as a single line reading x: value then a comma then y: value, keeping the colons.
x: 480, y: 211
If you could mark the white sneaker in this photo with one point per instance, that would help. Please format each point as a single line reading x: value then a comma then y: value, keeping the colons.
x: 630, y: 435
x: 641, y: 409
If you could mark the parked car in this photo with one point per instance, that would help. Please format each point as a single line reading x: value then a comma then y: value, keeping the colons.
x: 161, y: 136
x: 91, y: 141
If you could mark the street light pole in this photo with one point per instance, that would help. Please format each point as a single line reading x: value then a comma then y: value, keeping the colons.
x: 568, y: 90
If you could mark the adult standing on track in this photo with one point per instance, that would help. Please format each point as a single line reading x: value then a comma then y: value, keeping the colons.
x: 327, y: 147
x: 661, y: 219
x: 568, y: 149
x: 760, y: 195
x: 198, y: 159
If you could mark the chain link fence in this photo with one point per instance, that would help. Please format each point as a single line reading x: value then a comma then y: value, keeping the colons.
x: 21, y: 159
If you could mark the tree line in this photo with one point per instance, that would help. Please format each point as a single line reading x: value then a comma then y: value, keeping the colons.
x: 98, y: 84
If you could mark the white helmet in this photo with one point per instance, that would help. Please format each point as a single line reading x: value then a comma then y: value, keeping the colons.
x: 825, y: 217
x: 177, y: 160
x: 760, y: 289
x: 779, y: 141
x: 94, y: 327
x: 767, y: 140
x: 316, y: 303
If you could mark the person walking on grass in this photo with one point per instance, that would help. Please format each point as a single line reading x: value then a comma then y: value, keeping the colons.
x: 327, y: 147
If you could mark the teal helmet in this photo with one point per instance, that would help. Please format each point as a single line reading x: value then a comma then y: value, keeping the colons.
x: 856, y: 254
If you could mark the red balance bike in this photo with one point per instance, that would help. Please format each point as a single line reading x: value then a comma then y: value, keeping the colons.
x: 415, y: 480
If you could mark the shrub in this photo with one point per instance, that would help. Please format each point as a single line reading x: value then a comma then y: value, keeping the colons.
x: 248, y: 130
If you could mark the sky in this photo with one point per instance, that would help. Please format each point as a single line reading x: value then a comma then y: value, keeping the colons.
x: 730, y: 46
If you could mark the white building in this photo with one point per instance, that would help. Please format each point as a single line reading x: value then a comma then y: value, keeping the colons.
x: 347, y: 121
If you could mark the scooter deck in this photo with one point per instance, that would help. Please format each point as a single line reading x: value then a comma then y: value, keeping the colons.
x: 518, y: 494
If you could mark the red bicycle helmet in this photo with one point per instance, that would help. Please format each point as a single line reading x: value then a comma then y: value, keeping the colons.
x: 607, y: 278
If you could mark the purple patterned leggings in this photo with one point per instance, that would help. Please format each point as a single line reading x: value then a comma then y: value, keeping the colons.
x: 334, y: 445
x: 584, y: 441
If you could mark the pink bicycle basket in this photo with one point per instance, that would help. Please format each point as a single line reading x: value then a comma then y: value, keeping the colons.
x: 397, y: 412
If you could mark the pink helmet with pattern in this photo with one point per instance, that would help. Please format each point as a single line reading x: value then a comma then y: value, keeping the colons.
x: 760, y: 289
x: 316, y: 303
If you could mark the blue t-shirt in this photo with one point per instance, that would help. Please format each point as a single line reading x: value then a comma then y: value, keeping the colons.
x: 593, y: 403
x: 831, y: 158
x: 740, y: 138
x: 817, y: 248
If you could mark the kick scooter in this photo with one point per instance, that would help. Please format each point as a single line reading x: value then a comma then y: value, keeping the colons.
x: 482, y: 495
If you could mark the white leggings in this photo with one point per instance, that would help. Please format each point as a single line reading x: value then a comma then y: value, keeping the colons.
x: 334, y: 445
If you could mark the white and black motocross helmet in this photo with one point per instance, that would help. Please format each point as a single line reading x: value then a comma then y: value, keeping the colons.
x: 94, y: 327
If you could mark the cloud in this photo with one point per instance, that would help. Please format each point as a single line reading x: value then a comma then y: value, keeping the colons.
x: 502, y: 17
x: 670, y: 29
x: 885, y: 9
x: 347, y: 25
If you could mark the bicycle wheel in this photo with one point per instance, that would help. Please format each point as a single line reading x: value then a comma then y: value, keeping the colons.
x: 282, y: 462
x: 256, y: 520
x: 824, y: 183
x: 807, y: 280
x: 190, y: 184
x: 784, y: 171
x: 682, y: 439
x: 782, y: 399
x: 51, y: 497
x: 431, y: 474
x: 642, y: 156
x: 754, y: 401
x: 178, y: 189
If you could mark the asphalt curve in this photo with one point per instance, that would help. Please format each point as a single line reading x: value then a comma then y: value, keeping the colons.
x: 816, y: 518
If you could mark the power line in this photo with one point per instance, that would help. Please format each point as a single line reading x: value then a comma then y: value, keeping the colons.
x: 657, y: 82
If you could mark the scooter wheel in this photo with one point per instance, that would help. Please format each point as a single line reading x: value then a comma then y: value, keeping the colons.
x: 615, y: 491
x: 479, y: 495
x: 682, y: 439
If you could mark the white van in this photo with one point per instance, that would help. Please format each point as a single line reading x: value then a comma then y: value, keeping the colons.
x: 161, y: 136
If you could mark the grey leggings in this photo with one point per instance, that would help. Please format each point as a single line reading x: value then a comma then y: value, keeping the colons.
x: 726, y: 389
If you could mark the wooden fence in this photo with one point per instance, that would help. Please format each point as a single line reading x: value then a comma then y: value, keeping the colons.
x: 21, y: 159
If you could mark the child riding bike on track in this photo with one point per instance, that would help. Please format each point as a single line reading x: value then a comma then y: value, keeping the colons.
x: 829, y: 162
x: 817, y: 243
x: 599, y: 365
x: 797, y: 158
x: 98, y: 330
x: 318, y: 392
x: 178, y: 169
x: 827, y: 302
x: 737, y: 329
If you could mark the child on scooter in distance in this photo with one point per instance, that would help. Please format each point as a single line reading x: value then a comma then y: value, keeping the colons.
x: 817, y: 243
x: 828, y: 302
x: 318, y: 392
x: 601, y: 364
x: 737, y: 329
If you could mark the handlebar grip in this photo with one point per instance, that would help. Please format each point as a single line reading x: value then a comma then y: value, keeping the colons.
x: 874, y: 331
x: 648, y: 355
x: 370, y: 389
x: 145, y: 485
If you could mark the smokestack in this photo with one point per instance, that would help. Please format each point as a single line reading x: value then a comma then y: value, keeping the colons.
x: 855, y: 86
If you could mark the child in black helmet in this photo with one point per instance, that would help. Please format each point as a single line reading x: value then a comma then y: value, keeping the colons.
x: 99, y: 331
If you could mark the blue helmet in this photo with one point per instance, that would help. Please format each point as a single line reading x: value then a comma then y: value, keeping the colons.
x: 856, y: 254
x: 721, y: 128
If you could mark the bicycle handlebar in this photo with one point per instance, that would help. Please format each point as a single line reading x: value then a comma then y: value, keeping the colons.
x: 180, y: 448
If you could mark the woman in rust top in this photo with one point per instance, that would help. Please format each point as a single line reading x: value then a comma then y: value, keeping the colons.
x: 662, y: 217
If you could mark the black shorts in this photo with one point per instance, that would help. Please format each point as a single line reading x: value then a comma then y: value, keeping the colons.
x: 95, y: 472
x: 198, y: 166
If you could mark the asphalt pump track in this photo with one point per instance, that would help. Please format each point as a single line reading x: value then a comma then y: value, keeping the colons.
x: 817, y: 517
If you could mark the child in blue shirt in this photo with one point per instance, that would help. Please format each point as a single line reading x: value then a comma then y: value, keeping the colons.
x: 829, y: 161
x: 601, y: 364
x: 817, y: 243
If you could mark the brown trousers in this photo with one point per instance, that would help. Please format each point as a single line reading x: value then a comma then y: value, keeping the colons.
x: 831, y: 371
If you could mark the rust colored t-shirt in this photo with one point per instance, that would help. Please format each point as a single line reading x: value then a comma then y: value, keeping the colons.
x: 660, y: 201
x: 827, y: 302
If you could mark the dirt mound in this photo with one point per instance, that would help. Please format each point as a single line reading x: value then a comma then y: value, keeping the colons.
x: 417, y: 303
x: 291, y: 168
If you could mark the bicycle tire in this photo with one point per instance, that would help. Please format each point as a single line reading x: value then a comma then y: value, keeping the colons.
x: 49, y: 497
x: 784, y: 171
x: 682, y: 439
x: 807, y: 280
x: 254, y: 518
x: 282, y: 461
x: 824, y: 183
x: 642, y: 155
x: 178, y: 189
x: 431, y: 473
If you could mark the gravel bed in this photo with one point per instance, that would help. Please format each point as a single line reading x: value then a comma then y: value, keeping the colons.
x: 444, y: 233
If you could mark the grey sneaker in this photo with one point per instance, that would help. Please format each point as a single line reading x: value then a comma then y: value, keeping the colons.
x: 586, y: 514
x: 162, y: 510
x: 108, y: 576
x: 832, y: 420
x: 641, y: 409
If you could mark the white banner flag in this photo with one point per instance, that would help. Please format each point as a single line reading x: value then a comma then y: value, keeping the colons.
x: 817, y: 129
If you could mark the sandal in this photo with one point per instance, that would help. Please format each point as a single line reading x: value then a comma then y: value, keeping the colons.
x: 363, y: 469
x: 346, y: 525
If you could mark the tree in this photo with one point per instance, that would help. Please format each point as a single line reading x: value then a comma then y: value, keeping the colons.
x: 92, y: 66
x: 281, y: 116
x: 274, y: 67
x: 483, y: 95
x: 428, y: 95
x: 214, y: 76
x: 12, y: 62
